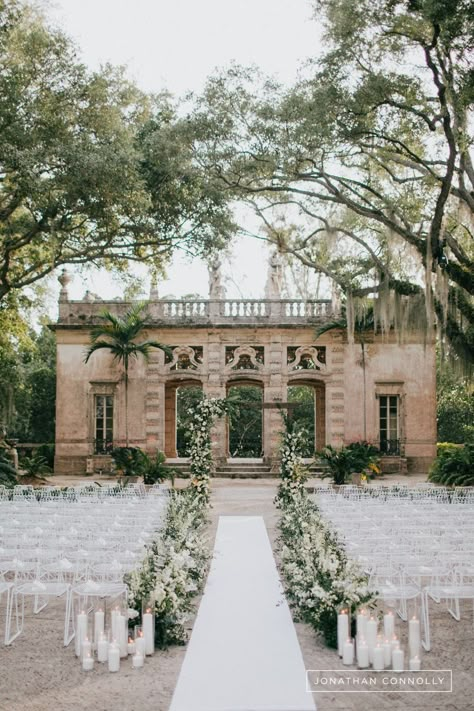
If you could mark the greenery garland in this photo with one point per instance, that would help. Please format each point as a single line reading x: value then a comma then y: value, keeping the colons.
x: 173, y: 570
x: 320, y: 578
x: 203, y: 415
x: 293, y: 474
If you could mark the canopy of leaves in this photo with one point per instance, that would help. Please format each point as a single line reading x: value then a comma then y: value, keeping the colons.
x: 363, y: 169
x: 91, y: 170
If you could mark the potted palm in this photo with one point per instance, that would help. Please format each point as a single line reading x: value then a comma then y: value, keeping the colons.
x: 339, y: 462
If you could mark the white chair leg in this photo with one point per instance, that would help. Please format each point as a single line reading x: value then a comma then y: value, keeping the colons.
x: 425, y: 622
x: 9, y: 638
x: 69, y: 630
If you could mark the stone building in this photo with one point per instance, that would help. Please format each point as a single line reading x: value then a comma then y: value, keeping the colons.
x: 221, y: 343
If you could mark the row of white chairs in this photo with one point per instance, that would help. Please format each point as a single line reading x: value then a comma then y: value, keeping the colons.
x: 416, y: 547
x: 72, y: 548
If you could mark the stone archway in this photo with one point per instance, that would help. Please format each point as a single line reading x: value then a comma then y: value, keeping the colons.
x: 310, y: 393
x: 245, y: 429
x: 173, y: 447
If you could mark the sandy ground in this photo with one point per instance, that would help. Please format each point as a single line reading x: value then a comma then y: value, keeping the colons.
x: 37, y: 673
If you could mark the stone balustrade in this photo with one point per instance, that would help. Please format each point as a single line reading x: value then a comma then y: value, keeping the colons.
x: 204, y: 311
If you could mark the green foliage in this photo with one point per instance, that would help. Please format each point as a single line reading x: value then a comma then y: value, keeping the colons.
x: 455, y: 412
x: 130, y: 460
x: 354, y: 458
x: 93, y: 171
x: 153, y: 469
x: 245, y: 421
x: 454, y: 466
x: 339, y: 463
x: 303, y: 416
x: 35, y: 466
x: 118, y: 334
x: 28, y: 385
x: 186, y: 400
x: 362, y: 169
x: 320, y: 579
x: 7, y: 470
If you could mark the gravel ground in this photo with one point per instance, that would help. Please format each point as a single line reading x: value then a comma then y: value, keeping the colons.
x: 37, y: 673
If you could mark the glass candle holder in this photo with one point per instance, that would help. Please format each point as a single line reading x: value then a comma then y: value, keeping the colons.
x: 148, y: 625
x: 140, y: 645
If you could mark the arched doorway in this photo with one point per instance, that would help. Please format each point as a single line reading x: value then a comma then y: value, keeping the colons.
x: 309, y: 413
x: 245, y: 422
x: 180, y: 397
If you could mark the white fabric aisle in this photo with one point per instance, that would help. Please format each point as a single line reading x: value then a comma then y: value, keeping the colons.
x: 243, y: 654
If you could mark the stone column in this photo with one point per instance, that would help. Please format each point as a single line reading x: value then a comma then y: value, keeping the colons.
x: 320, y: 416
x: 275, y: 390
x: 170, y: 421
x: 215, y: 387
x: 154, y: 405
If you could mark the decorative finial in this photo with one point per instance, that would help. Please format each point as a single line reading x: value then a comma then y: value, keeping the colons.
x: 64, y: 279
x: 154, y: 296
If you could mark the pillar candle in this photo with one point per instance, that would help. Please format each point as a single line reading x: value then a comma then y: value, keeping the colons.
x: 371, y: 637
x: 388, y: 625
x: 378, y: 655
x: 88, y: 663
x: 99, y: 622
x: 81, y: 632
x: 138, y: 660
x: 362, y: 653
x: 140, y: 644
x: 398, y: 659
x: 102, y: 649
x: 148, y: 631
x: 113, y: 622
x: 387, y: 653
x: 395, y: 642
x: 114, y: 657
x: 122, y: 630
x: 131, y: 646
x: 348, y: 652
x: 342, y: 630
x: 415, y: 664
x: 414, y: 637
x: 362, y: 623
x: 86, y: 648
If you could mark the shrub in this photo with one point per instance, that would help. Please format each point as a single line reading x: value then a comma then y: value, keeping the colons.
x: 130, y: 460
x: 153, y: 469
x: 47, y: 451
x: 35, y: 465
x: 7, y: 471
x: 454, y: 466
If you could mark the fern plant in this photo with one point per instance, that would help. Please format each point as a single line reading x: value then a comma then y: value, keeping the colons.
x: 7, y: 471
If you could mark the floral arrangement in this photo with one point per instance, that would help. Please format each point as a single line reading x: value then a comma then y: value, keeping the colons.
x: 320, y: 578
x: 173, y: 569
x: 203, y: 416
x: 293, y: 474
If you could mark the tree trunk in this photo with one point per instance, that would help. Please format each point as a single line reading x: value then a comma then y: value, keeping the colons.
x: 127, y: 442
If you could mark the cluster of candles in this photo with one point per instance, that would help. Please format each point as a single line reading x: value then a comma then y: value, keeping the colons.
x: 380, y: 651
x: 115, y: 645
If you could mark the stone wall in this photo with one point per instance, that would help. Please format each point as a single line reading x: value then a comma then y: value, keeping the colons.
x: 345, y: 389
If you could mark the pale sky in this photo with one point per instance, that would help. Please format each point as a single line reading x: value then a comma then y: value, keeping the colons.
x: 175, y: 45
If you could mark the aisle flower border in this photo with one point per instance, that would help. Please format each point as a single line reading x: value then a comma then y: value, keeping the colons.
x: 319, y: 578
x: 174, y: 569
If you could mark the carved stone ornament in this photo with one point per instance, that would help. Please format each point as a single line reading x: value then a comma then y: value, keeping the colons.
x: 244, y: 358
x: 306, y: 358
x: 184, y: 358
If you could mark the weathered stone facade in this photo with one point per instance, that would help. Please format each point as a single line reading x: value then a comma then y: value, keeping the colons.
x: 220, y: 343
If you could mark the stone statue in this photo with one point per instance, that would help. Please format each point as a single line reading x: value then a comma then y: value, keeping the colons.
x: 274, y: 277
x: 216, y: 290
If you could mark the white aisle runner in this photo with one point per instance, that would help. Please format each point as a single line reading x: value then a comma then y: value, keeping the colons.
x: 243, y: 654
